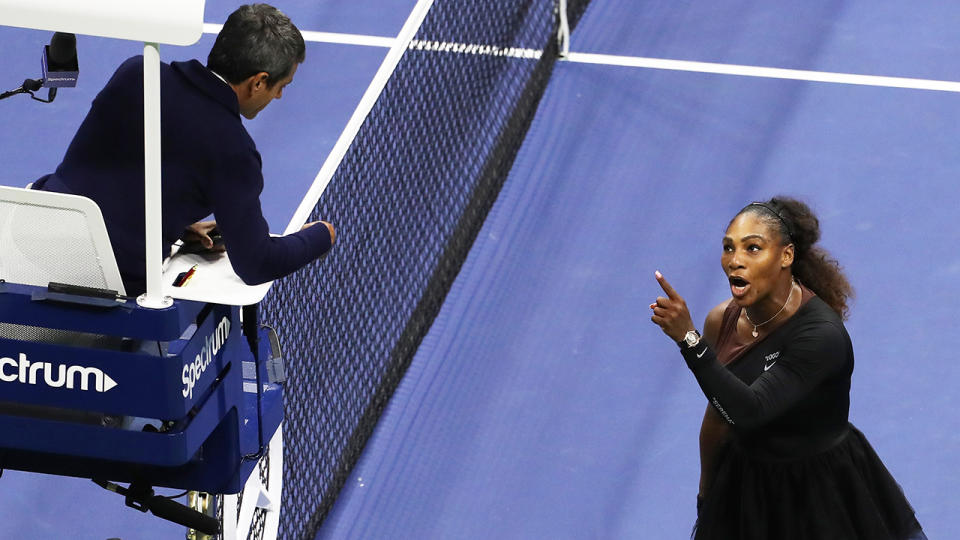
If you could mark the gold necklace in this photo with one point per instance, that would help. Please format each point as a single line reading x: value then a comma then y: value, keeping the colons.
x: 756, y: 333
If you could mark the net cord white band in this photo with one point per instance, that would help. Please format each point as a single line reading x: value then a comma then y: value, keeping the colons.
x: 404, y: 40
x: 643, y: 62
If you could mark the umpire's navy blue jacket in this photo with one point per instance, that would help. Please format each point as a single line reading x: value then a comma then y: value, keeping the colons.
x: 209, y: 165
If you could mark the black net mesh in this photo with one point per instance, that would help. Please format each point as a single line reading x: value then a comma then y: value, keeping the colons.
x: 408, y: 200
x: 257, y: 525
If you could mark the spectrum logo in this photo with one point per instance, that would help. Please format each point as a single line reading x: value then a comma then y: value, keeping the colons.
x: 212, y: 344
x: 55, y: 376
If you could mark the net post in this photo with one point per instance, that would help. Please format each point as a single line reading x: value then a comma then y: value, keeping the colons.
x: 153, y: 298
x: 563, y: 30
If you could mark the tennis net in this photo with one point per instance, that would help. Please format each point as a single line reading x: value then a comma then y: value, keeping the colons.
x: 408, y: 199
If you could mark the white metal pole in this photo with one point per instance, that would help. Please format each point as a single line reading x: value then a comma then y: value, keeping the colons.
x: 153, y: 298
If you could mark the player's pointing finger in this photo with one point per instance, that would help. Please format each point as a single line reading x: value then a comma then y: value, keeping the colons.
x: 672, y: 294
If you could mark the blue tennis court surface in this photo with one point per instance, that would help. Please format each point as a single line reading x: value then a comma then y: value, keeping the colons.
x: 877, y: 37
x: 543, y: 403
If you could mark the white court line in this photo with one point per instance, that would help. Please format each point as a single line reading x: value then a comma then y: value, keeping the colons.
x: 766, y: 72
x: 405, y: 41
x: 370, y: 96
x: 348, y: 39
x: 638, y: 62
x: 326, y: 37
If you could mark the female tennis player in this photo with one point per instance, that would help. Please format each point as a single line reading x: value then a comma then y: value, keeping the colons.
x: 779, y: 458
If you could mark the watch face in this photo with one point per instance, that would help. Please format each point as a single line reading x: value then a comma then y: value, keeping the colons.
x: 691, y: 338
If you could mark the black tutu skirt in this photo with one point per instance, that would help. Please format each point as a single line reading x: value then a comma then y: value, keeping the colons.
x: 843, y: 493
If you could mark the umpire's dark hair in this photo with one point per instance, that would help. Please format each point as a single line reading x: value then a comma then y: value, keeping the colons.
x: 812, y: 265
x: 256, y: 38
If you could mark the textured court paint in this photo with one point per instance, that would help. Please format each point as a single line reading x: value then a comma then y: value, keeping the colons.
x: 883, y: 161
x: 874, y: 37
x: 367, y: 17
x: 544, y: 404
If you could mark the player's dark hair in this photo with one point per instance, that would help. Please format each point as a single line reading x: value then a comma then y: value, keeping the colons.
x: 256, y: 38
x: 812, y: 265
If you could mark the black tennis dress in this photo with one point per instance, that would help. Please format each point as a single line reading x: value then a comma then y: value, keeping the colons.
x: 794, y: 468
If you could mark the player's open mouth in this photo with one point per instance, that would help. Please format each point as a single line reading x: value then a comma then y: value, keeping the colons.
x: 738, y: 286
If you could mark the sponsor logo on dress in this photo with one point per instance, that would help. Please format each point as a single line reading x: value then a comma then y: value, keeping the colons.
x: 770, y: 360
x: 722, y: 412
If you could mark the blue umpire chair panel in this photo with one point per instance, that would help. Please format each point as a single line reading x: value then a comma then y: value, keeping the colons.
x: 96, y: 386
